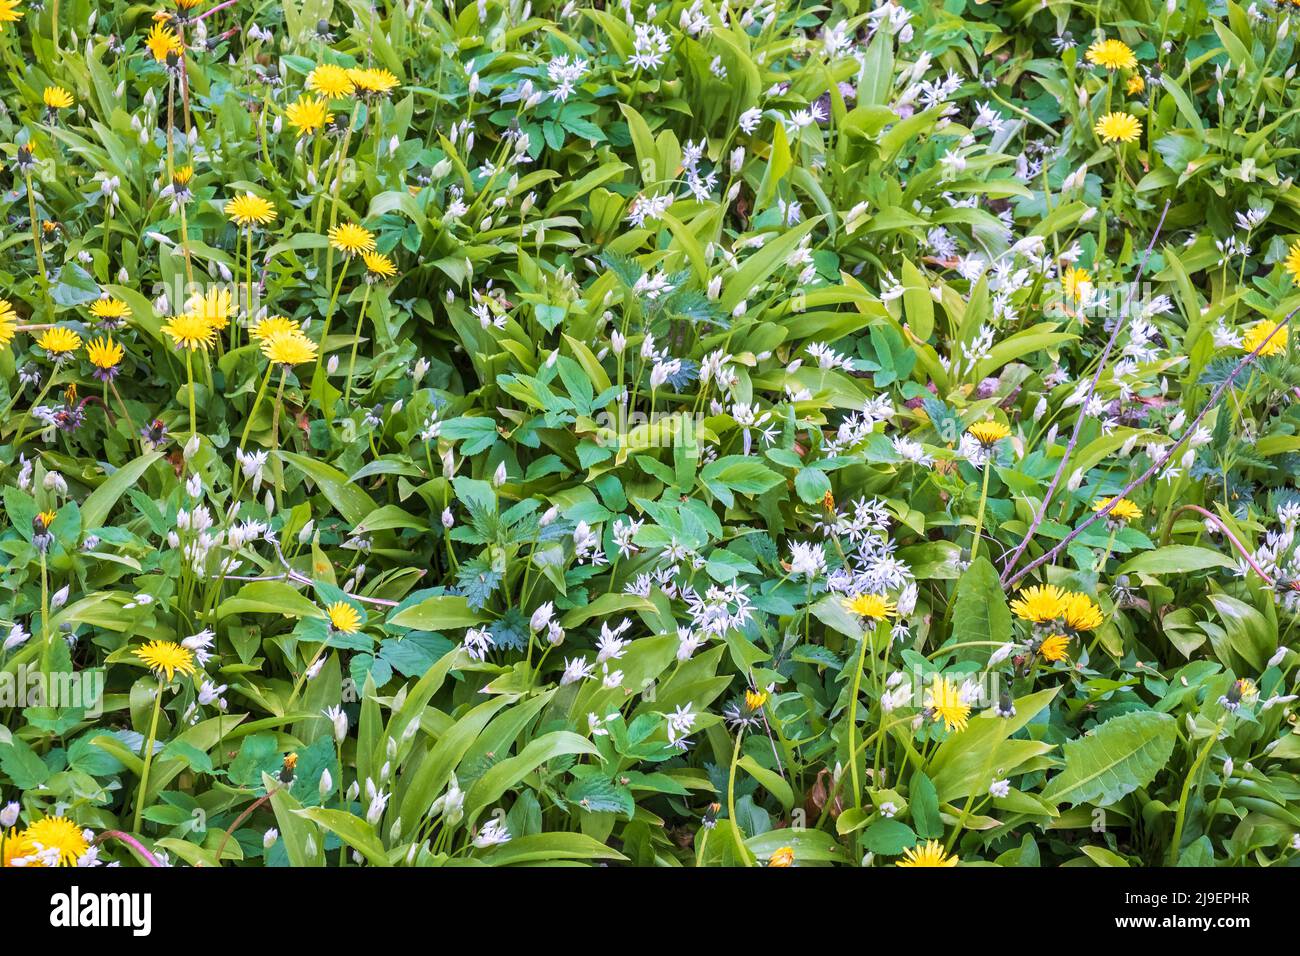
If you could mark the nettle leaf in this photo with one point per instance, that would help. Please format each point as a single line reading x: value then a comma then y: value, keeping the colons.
x: 599, y: 794
x: 477, y: 581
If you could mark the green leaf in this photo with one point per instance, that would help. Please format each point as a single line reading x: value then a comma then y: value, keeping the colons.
x: 1175, y: 559
x: 542, y: 847
x: 352, y: 830
x: 441, y: 612
x: 888, y: 837
x: 1124, y: 753
x: 95, y: 509
x: 923, y: 801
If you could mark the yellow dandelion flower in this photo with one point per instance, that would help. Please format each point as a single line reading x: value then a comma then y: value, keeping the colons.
x: 989, y: 433
x: 944, y: 702
x: 930, y: 853
x: 1076, y: 283
x: 47, y: 518
x: 55, y: 834
x: 1118, y: 127
x: 59, y: 342
x: 374, y: 80
x: 249, y: 210
x: 167, y: 657
x: 754, y: 699
x: 307, y: 114
x: 1081, y: 613
x: 874, y: 606
x: 1112, y: 54
x: 8, y: 323
x: 189, y: 331
x: 1135, y: 84
x: 330, y: 81
x: 349, y: 239
x: 182, y: 175
x: 784, y: 856
x: 290, y: 348
x: 1124, y: 509
x: 1039, y: 603
x: 162, y: 42
x: 110, y: 309
x: 10, y: 12
x: 104, y: 353
x: 273, y: 326
x: 379, y: 264
x: 213, y: 307
x: 1292, y: 262
x: 1055, y: 647
x: 12, y: 842
x: 1259, y: 332
x: 344, y: 617
x: 57, y: 98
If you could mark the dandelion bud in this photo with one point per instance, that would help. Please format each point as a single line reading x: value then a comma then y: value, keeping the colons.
x: 305, y: 534
x: 191, y: 447
x: 617, y: 342
x: 741, y: 308
x: 123, y: 277
x: 326, y: 784
x: 269, y: 502
x: 269, y: 838
x: 354, y: 791
x: 60, y: 597
x: 53, y: 481
x: 332, y: 365
x: 499, y: 476
x: 715, y: 288
x: 448, y: 519
x: 1076, y: 479
x: 441, y: 168
x: 737, y: 158
x: 393, y: 144
x: 194, y: 486
x: 541, y: 617
x: 9, y: 815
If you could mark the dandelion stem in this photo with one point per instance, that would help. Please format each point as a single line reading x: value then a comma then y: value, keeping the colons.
x: 745, y: 858
x: 257, y: 402
x: 189, y: 377
x: 863, y: 641
x: 356, y: 340
x: 148, y: 758
x: 979, y: 516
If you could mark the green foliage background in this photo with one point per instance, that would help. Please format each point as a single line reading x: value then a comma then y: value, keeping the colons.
x: 576, y: 395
